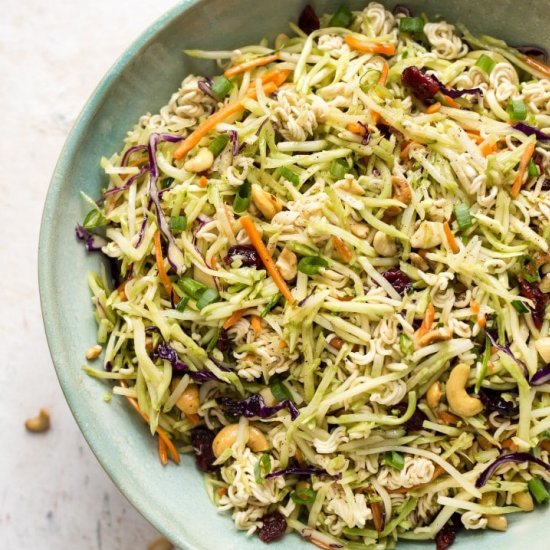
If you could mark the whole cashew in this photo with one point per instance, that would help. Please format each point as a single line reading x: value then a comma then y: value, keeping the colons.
x: 40, y: 423
x: 265, y: 202
x: 94, y: 352
x: 459, y: 401
x: 401, y: 192
x: 287, y: 263
x: 435, y: 335
x: 433, y: 395
x: 189, y: 401
x: 523, y: 500
x: 227, y: 436
x: 497, y: 523
x: 202, y: 161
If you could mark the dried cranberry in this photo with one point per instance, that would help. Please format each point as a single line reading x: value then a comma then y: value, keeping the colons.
x: 223, y: 341
x: 414, y: 423
x: 273, y: 528
x: 201, y: 440
x: 494, y: 402
x: 534, y: 293
x: 399, y: 280
x: 423, y: 86
x: 447, y: 535
x: 248, y: 255
x: 308, y: 20
x: 545, y: 185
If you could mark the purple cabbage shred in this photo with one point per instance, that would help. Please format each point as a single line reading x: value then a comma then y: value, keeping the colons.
x: 255, y: 406
x: 92, y: 242
x: 308, y: 20
x: 400, y: 9
x: 531, y: 131
x: 541, y: 377
x: 512, y: 457
x: 204, y: 86
x: 506, y: 349
x: 301, y: 472
x: 234, y: 139
x: 129, y: 182
x: 167, y: 352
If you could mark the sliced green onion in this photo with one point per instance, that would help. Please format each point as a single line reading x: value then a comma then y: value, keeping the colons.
x: 166, y: 182
x: 209, y: 296
x: 311, y: 265
x: 182, y: 304
x: 412, y: 25
x: 212, y: 344
x: 538, y: 490
x: 94, y: 218
x: 178, y: 223
x: 406, y: 345
x: 303, y: 495
x: 533, y: 169
x: 221, y: 86
x: 339, y: 168
x: 218, y: 145
x: 520, y: 306
x: 462, y: 214
x: 271, y: 304
x: 395, y: 460
x: 484, y: 364
x: 242, y: 197
x: 369, y: 79
x: 289, y: 175
x: 517, y: 109
x: 262, y: 468
x: 485, y: 63
x: 341, y: 18
x: 280, y: 392
x: 191, y: 287
x: 529, y: 269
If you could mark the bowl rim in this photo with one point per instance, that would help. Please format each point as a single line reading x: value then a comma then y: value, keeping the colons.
x: 133, y: 493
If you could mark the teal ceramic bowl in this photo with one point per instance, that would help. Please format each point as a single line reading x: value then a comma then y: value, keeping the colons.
x: 142, y: 80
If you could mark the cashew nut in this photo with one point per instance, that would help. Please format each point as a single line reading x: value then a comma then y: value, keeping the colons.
x: 189, y: 401
x: 227, y: 437
x: 435, y: 335
x: 40, y: 423
x: 360, y: 230
x: 94, y: 352
x: 160, y: 544
x: 428, y: 235
x: 265, y: 202
x: 401, y: 192
x: 488, y: 499
x: 418, y: 261
x: 351, y: 185
x: 523, y: 500
x: 497, y: 523
x: 384, y: 245
x: 287, y: 263
x: 433, y: 395
x: 542, y: 345
x: 459, y: 401
x: 202, y: 161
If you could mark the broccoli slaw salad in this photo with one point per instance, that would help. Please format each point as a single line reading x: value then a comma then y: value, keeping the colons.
x: 331, y: 271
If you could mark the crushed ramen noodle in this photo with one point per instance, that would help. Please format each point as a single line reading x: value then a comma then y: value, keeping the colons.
x: 332, y: 271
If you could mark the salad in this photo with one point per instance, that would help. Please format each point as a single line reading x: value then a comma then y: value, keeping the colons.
x: 330, y: 276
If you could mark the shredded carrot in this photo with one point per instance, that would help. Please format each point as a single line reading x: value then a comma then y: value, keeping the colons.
x: 193, y: 418
x: 163, y: 452
x: 276, y: 75
x: 475, y: 307
x: 433, y: 108
x: 408, y: 148
x: 249, y: 65
x: 447, y: 418
x: 160, y: 265
x: 383, y: 48
x: 375, y: 117
x: 343, y: 250
x: 384, y: 74
x: 268, y: 87
x: 282, y: 344
x: 235, y: 316
x: 256, y: 240
x: 476, y: 137
x: 356, y: 128
x: 537, y: 65
x: 450, y: 102
x: 202, y: 129
x: 203, y: 181
x: 256, y: 324
x: 523, y: 163
x: 488, y: 148
x: 481, y: 320
x: 174, y: 455
x: 377, y: 516
x: 451, y: 238
x: 509, y: 444
x: 428, y: 321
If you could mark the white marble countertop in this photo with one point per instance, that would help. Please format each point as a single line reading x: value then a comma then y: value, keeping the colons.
x: 53, y: 492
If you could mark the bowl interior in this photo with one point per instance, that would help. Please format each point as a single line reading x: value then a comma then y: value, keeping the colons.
x: 173, y: 498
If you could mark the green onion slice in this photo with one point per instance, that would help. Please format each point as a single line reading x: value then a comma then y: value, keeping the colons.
x: 520, y: 306
x: 262, y: 468
x: 463, y: 217
x: 221, y: 86
x: 395, y: 460
x: 533, y: 169
x: 303, y: 495
x: 517, y: 109
x: 311, y: 265
x: 178, y: 223
x: 485, y: 63
x: 209, y: 296
x: 538, y: 490
x: 341, y: 18
x: 271, y: 304
x: 289, y: 175
x: 339, y: 168
x: 280, y: 392
x: 191, y: 287
x: 242, y: 197
x: 411, y: 25
x: 218, y: 145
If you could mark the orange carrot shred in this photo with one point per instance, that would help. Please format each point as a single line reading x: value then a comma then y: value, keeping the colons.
x: 523, y: 163
x: 233, y: 318
x: 203, y: 181
x: 537, y: 65
x: 160, y: 265
x: 276, y: 75
x: 451, y: 238
x: 342, y: 249
x: 427, y: 322
x: 476, y: 137
x: 475, y: 307
x: 450, y: 102
x: 488, y: 148
x: 193, y: 418
x: 433, y: 108
x: 384, y: 74
x: 163, y: 452
x: 174, y: 455
x: 249, y: 65
x: 408, y: 148
x: 375, y: 117
x: 256, y: 324
x: 282, y: 344
x: 383, y: 48
x: 256, y: 240
x: 356, y: 128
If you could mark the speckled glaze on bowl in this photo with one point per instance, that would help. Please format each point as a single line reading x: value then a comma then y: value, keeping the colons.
x: 142, y: 80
